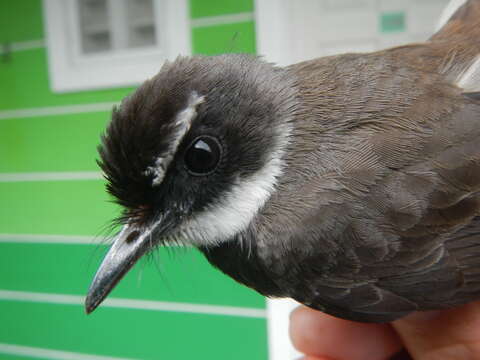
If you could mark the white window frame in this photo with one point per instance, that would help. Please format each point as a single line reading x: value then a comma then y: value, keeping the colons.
x: 280, y: 346
x: 273, y: 28
x: 72, y: 71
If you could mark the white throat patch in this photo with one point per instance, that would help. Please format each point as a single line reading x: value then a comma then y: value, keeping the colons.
x: 183, y: 121
x: 234, y: 212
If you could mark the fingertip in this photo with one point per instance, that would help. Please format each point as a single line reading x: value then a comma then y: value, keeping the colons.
x: 445, y: 333
x: 321, y: 335
x: 301, y: 319
x: 308, y: 327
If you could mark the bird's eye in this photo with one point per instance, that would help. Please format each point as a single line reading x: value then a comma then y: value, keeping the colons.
x: 203, y: 155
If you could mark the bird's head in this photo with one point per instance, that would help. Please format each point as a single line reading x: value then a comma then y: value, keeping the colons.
x: 192, y: 156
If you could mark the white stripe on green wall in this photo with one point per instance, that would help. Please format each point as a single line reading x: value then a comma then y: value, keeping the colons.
x: 42, y: 353
x: 222, y: 20
x: 64, y: 239
x: 135, y: 304
x: 50, y: 239
x: 57, y: 110
x: 51, y: 176
x: 26, y: 45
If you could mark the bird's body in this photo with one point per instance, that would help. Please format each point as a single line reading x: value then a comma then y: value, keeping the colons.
x: 350, y: 183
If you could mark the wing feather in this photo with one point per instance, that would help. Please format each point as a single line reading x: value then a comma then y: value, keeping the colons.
x: 414, y: 240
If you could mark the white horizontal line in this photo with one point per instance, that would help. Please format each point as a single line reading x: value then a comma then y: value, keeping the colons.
x: 186, y: 307
x: 135, y: 304
x: 27, y: 45
x: 43, y: 353
x: 64, y: 239
x: 51, y: 239
x: 221, y: 20
x: 57, y: 110
x: 51, y: 176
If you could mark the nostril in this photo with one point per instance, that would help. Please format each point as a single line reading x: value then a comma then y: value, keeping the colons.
x: 132, y: 236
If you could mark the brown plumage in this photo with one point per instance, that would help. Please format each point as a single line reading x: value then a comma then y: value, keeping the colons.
x: 388, y: 178
x: 376, y: 212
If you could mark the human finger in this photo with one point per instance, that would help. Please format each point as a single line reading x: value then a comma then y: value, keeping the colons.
x: 317, y: 334
x: 446, y: 334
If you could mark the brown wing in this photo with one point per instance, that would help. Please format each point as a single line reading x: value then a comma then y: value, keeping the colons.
x: 388, y: 153
x: 431, y: 208
x: 410, y: 236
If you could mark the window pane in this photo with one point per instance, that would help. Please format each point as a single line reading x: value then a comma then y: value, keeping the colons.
x: 94, y: 26
x: 141, y: 23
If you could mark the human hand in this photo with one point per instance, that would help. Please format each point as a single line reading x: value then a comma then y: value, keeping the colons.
x: 452, y: 334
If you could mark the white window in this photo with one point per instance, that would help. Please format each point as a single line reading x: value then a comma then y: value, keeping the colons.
x: 109, y: 43
x: 290, y: 31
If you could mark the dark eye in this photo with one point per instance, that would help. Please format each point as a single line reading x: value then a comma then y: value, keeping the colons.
x: 203, y: 155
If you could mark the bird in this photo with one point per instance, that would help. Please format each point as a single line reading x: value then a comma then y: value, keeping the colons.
x: 349, y: 183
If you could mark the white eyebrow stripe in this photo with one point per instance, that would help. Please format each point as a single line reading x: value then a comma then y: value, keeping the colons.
x: 183, y: 121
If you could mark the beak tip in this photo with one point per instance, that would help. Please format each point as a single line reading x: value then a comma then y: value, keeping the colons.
x: 88, y: 310
x: 90, y: 305
x: 128, y: 247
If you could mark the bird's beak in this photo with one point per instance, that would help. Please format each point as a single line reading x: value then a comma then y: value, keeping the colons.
x: 130, y: 244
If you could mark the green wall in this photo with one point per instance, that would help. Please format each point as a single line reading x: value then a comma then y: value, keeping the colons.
x: 50, y: 228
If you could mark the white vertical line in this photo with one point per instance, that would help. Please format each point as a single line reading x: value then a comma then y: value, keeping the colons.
x: 279, y: 344
x: 273, y: 24
x: 175, y: 14
x: 119, y: 25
